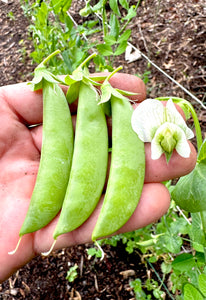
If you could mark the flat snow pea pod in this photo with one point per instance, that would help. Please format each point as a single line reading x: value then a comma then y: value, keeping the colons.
x: 55, y: 161
x: 89, y: 164
x: 126, y: 177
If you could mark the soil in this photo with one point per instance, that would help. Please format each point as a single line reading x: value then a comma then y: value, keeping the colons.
x: 171, y: 34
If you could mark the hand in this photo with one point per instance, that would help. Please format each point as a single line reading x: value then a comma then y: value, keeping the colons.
x: 20, y: 148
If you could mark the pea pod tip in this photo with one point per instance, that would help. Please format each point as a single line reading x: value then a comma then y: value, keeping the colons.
x: 16, y: 248
x: 50, y: 250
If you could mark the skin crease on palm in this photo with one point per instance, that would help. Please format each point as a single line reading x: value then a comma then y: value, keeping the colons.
x: 19, y: 160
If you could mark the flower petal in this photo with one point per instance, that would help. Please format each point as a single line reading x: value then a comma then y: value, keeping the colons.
x: 174, y: 116
x: 156, y: 149
x: 182, y: 146
x: 146, y: 118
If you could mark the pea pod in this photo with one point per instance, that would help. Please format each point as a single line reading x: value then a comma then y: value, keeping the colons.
x: 89, y: 164
x: 55, y: 162
x: 126, y: 175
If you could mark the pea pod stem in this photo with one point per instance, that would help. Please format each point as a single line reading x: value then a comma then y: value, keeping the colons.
x: 112, y: 73
x: 87, y: 60
x: 44, y: 62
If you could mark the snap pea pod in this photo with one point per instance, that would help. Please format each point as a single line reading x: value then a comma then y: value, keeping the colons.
x: 89, y: 164
x: 55, y: 161
x: 126, y: 177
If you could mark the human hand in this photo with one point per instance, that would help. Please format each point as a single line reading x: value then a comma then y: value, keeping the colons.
x: 20, y: 148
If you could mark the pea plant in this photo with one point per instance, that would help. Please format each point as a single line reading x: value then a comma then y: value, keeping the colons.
x: 52, y: 27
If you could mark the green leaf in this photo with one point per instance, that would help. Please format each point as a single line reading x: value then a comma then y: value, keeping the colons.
x: 191, y: 293
x: 131, y: 13
x: 196, y: 233
x: 114, y: 6
x: 202, y: 153
x: 98, y: 7
x: 114, y: 26
x: 124, y: 3
x: 121, y: 48
x: 166, y: 268
x: 184, y: 262
x: 110, y: 40
x: 202, y: 283
x: 189, y: 192
x: 104, y: 49
x: 124, y: 36
x: 173, y: 243
x: 94, y: 252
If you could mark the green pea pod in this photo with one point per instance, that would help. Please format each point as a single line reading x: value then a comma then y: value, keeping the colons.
x: 89, y: 164
x: 55, y: 162
x: 127, y: 172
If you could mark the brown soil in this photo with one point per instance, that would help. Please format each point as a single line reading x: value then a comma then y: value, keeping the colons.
x: 172, y: 34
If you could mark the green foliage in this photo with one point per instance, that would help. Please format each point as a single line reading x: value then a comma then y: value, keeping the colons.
x: 162, y: 244
x: 72, y: 273
x: 138, y: 290
x: 53, y: 28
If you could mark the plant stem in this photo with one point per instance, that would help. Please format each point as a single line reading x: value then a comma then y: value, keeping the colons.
x: 104, y: 19
x: 128, y: 21
x: 203, y: 220
x: 197, y: 124
x: 86, y: 60
x: 112, y: 73
x: 44, y: 62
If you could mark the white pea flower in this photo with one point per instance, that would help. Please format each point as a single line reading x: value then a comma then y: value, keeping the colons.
x: 163, y: 126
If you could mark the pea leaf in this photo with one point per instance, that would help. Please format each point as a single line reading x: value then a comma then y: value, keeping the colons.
x: 124, y: 36
x: 114, y: 26
x: 131, y: 13
x: 172, y: 242
x: 189, y: 192
x: 121, y: 48
x: 124, y: 3
x: 110, y: 40
x: 202, y: 153
x: 105, y: 50
x: 202, y: 283
x: 184, y: 262
x: 114, y: 6
x: 191, y: 293
x: 196, y: 233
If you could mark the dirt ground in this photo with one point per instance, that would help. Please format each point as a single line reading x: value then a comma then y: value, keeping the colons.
x: 172, y: 34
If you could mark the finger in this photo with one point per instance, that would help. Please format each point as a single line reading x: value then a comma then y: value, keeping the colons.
x: 24, y: 103
x: 153, y: 204
x: 159, y: 170
x: 129, y: 83
x: 156, y: 170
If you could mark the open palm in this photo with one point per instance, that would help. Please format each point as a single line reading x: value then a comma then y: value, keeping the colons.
x: 20, y: 148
